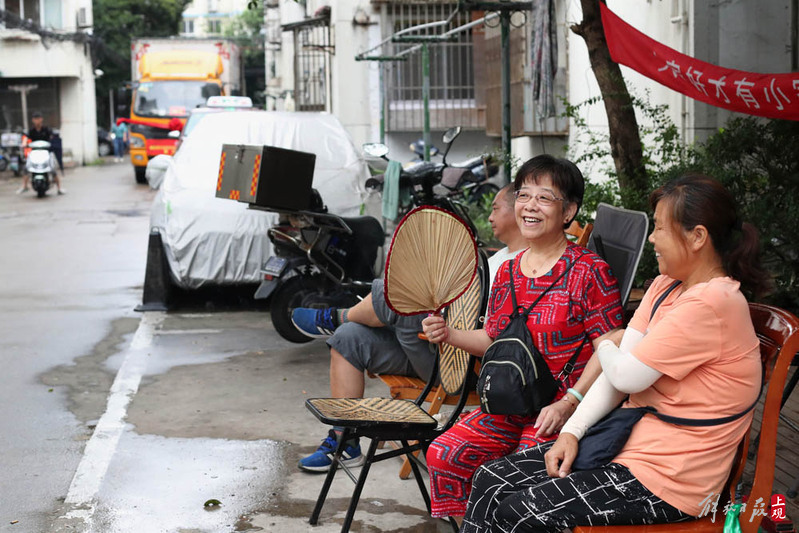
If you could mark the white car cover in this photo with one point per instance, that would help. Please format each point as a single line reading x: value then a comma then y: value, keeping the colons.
x: 209, y: 240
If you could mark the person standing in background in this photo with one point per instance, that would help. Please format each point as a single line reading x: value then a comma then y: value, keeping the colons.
x: 120, y: 132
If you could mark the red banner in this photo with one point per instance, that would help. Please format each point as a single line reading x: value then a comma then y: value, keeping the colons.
x: 764, y: 95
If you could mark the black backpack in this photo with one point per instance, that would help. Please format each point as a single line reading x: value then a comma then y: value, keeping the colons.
x: 514, y: 377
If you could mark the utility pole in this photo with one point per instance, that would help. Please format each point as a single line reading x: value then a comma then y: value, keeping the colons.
x: 23, y: 91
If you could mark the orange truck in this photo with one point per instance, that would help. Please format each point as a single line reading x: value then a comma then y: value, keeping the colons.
x: 170, y: 78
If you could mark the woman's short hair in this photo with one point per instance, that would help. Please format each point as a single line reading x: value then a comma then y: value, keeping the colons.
x: 565, y: 176
x: 699, y: 200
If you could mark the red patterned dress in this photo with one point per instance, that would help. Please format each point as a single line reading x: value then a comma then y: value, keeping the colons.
x: 585, y: 301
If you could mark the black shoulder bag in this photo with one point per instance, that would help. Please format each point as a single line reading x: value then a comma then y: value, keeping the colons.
x: 604, y: 440
x: 515, y: 378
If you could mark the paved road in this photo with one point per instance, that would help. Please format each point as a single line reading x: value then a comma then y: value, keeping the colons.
x: 70, y: 274
x: 115, y: 421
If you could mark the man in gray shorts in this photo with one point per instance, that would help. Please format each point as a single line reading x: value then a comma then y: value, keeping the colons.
x: 371, y: 337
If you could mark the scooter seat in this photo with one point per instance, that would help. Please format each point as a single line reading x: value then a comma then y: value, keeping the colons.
x: 470, y: 163
x: 452, y: 177
x: 367, y: 231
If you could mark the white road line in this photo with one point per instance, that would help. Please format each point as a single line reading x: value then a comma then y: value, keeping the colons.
x: 103, y: 443
x: 188, y: 331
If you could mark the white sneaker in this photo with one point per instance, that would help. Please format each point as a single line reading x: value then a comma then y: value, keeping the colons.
x: 62, y: 191
x: 21, y: 190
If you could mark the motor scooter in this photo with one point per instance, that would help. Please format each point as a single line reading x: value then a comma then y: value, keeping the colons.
x: 469, y: 186
x: 40, y: 164
x: 431, y: 182
x: 320, y: 260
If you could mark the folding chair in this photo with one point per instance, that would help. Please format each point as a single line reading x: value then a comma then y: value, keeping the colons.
x: 778, y: 331
x: 408, y: 388
x: 388, y: 419
x: 618, y: 237
x: 581, y: 233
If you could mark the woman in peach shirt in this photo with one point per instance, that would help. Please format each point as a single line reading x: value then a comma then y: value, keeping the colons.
x: 696, y: 357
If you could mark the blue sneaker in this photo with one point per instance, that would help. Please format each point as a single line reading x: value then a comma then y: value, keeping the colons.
x: 322, y: 458
x: 316, y: 323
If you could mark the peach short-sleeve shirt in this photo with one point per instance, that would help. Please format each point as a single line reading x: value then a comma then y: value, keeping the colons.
x: 703, y: 342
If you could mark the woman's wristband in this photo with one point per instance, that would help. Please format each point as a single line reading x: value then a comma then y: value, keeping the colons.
x: 574, y: 393
x: 571, y: 401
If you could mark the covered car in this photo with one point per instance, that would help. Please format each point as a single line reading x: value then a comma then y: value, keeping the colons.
x: 208, y: 240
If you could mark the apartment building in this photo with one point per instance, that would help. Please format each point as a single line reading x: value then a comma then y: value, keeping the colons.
x: 341, y: 57
x: 203, y: 18
x: 46, y: 66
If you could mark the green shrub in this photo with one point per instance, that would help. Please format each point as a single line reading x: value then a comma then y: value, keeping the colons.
x: 757, y: 161
x: 479, y: 212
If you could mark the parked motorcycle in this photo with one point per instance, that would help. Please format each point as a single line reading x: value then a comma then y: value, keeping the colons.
x: 437, y: 183
x: 320, y: 260
x: 3, y: 162
x: 40, y: 164
x: 465, y: 181
x: 12, y: 143
x: 471, y: 186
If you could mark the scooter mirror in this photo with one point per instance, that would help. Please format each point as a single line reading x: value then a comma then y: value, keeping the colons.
x: 451, y: 134
x: 375, y: 149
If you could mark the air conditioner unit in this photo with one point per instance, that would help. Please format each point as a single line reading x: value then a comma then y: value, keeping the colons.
x: 83, y: 18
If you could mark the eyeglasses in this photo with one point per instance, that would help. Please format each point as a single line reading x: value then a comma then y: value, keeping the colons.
x: 544, y: 199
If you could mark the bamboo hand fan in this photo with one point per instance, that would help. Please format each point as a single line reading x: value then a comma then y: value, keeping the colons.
x: 432, y: 260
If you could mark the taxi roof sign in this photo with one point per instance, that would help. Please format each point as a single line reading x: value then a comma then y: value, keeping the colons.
x: 229, y: 101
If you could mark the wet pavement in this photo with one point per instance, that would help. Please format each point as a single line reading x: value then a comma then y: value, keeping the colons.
x: 69, y: 268
x: 219, y: 414
x: 126, y: 422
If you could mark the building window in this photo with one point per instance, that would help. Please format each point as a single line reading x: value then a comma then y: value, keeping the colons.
x: 213, y: 6
x: 24, y: 9
x: 312, y: 50
x: 526, y: 118
x: 14, y: 7
x: 453, y: 99
x: 215, y: 26
x: 188, y: 26
x: 52, y: 14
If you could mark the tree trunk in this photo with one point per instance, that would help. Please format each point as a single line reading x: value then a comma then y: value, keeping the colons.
x: 625, y: 141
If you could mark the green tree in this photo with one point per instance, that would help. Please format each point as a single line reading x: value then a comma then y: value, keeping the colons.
x: 116, y: 22
x: 626, y: 147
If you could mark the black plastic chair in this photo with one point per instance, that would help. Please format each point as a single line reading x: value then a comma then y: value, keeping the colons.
x: 618, y: 237
x: 387, y: 419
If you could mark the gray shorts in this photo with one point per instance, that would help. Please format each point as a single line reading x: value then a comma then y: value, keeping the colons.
x: 392, y: 349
